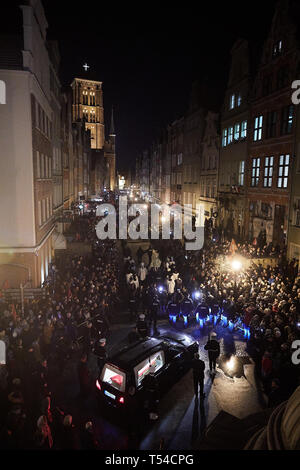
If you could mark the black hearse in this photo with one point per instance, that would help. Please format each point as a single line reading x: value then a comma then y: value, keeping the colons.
x: 122, y: 374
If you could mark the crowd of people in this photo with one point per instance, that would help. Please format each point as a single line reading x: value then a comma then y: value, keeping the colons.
x: 167, y: 279
x: 81, y: 298
x: 66, y: 323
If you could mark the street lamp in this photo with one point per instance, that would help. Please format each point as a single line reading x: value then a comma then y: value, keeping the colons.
x: 236, y: 265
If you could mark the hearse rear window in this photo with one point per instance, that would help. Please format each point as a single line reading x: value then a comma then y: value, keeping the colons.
x: 113, y: 377
x: 142, y: 369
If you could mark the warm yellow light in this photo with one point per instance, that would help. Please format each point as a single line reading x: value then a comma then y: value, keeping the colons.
x: 231, y: 363
x: 236, y: 265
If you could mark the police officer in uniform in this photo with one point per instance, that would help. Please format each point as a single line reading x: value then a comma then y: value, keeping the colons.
x: 213, y: 348
x: 153, y: 312
x: 198, y: 374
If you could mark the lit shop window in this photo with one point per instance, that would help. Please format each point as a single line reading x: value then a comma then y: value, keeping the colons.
x: 258, y: 123
x: 268, y: 172
x: 255, y: 171
x: 283, y: 171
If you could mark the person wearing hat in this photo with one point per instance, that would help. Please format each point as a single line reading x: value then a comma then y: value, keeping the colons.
x: 213, y: 348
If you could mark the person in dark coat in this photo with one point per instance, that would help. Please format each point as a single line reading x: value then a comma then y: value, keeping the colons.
x: 69, y: 436
x: 153, y: 312
x: 142, y: 326
x: 100, y: 353
x: 151, y: 393
x: 213, y: 348
x: 198, y: 367
x: 84, y: 377
x: 89, y: 439
x: 133, y: 336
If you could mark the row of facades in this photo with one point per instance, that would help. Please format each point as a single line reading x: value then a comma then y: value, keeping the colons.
x: 53, y: 151
x: 239, y: 158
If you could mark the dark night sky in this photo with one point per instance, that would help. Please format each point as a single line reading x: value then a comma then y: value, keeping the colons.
x: 147, y: 55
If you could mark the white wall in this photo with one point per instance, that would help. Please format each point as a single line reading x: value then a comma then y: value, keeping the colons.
x: 16, y: 163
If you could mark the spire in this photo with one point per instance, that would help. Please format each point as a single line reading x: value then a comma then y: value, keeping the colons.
x: 112, y: 125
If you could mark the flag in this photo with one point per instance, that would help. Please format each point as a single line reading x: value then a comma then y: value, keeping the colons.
x: 13, y: 311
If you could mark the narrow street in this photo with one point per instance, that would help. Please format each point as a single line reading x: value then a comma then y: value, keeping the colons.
x: 182, y: 419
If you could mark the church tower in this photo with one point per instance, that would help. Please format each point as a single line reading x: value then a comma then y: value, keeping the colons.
x: 88, y: 106
x: 110, y: 156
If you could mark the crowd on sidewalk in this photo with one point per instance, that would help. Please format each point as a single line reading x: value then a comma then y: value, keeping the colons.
x: 165, y: 277
x: 75, y: 311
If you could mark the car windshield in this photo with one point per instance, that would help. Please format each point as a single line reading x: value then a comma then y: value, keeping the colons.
x: 113, y: 377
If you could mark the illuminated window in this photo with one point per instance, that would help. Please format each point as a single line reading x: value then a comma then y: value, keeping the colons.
x: 239, y: 100
x: 244, y: 130
x: 224, y: 138
x: 287, y: 117
x: 258, y: 123
x: 242, y: 173
x: 230, y: 135
x: 232, y: 101
x: 277, y: 48
x: 255, y: 171
x: 85, y: 97
x: 268, y: 172
x: 283, y: 171
x: 236, y: 131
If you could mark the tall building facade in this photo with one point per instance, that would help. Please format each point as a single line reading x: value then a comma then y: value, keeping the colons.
x: 26, y: 132
x: 271, y: 151
x: 233, y: 148
x: 88, y: 108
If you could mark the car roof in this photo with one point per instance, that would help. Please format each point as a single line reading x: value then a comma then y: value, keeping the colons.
x: 135, y: 353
